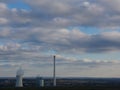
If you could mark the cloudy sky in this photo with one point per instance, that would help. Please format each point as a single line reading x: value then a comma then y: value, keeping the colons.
x: 83, y: 34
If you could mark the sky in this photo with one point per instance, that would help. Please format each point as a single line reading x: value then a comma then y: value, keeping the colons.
x: 83, y: 34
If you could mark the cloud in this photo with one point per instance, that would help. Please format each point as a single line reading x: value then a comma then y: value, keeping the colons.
x: 75, y: 13
x: 72, y: 41
x: 3, y: 6
x: 64, y: 13
x: 62, y: 40
x: 65, y: 66
x: 3, y: 21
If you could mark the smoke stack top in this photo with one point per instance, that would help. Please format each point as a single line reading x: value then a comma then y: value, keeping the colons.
x: 20, y: 71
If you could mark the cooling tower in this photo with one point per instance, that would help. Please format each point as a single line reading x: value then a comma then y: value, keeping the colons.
x: 19, y: 78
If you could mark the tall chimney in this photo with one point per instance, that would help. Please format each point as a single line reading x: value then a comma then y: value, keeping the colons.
x: 54, y: 71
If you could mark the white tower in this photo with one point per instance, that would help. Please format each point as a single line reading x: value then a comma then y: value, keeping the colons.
x: 19, y: 78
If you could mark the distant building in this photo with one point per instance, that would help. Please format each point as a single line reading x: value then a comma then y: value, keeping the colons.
x: 19, y: 77
x: 40, y: 82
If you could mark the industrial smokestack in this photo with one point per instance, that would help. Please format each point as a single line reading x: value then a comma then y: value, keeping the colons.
x: 19, y: 77
x: 54, y: 71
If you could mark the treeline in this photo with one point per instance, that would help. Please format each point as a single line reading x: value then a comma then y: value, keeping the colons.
x: 66, y: 88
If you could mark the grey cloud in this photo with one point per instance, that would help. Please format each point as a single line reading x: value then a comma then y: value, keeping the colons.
x: 75, y: 13
x: 64, y: 14
x: 64, y: 40
x: 62, y: 60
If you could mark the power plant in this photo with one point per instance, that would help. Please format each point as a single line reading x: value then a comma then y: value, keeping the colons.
x: 19, y: 78
x: 39, y: 80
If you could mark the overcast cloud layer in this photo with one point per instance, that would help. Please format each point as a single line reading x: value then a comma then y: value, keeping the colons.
x: 54, y: 26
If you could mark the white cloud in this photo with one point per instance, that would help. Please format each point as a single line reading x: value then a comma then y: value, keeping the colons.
x: 3, y: 6
x: 9, y: 49
x: 3, y: 21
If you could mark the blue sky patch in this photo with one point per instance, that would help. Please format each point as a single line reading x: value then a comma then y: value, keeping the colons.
x: 19, y: 5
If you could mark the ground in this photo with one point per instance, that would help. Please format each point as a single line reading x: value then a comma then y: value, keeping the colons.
x: 68, y: 88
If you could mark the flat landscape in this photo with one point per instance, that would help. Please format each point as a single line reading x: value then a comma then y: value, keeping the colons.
x: 64, y: 88
x: 63, y: 84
